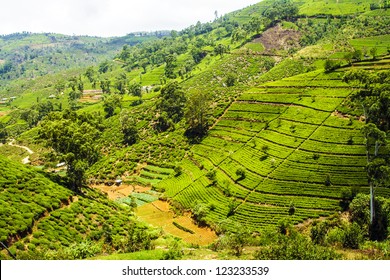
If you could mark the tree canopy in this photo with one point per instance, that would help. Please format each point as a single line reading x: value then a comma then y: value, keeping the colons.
x: 172, y: 101
x: 72, y: 138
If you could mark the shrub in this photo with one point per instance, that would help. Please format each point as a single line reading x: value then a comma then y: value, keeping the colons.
x: 335, y: 236
x: 347, y: 195
x: 327, y: 180
x: 199, y: 213
x: 331, y: 65
x: 211, y: 175
x: 84, y: 250
x: 230, y: 80
x: 240, y: 172
x: 284, y: 226
x: 295, y: 247
x: 174, y: 252
x: 179, y: 226
x: 178, y: 170
x: 360, y: 213
x: 353, y: 236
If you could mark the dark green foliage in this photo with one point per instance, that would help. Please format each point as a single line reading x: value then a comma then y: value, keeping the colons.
x: 104, y: 67
x: 172, y: 101
x: 198, y: 54
x: 105, y: 85
x: 357, y: 55
x: 328, y: 182
x: 347, y: 195
x: 121, y: 83
x: 211, y: 175
x: 220, y: 50
x: 199, y: 213
x: 135, y: 89
x: 73, y: 139
x: 110, y: 103
x: 129, y: 128
x: 179, y: 226
x: 163, y: 122
x: 3, y: 133
x: 281, y: 10
x: 230, y: 80
x: 170, y: 64
x: 178, y: 170
x: 197, y: 114
x: 353, y: 236
x: 240, y: 173
x: 174, y: 252
x: 284, y: 226
x: 291, y: 209
x: 318, y: 232
x: 331, y: 65
x: 360, y: 214
x: 294, y: 247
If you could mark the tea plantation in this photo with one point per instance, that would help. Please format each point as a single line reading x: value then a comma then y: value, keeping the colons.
x: 281, y: 145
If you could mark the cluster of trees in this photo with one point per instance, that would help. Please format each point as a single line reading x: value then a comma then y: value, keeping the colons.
x: 73, y: 138
x: 281, y: 10
x: 173, y: 106
x: 374, y: 99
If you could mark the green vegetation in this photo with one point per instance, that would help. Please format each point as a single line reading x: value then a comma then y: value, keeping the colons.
x: 261, y: 125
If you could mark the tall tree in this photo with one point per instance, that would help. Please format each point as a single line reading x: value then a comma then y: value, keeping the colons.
x: 170, y: 64
x: 172, y: 101
x: 196, y: 114
x: 374, y: 98
x: 135, y: 89
x: 3, y: 133
x: 110, y: 103
x: 90, y: 73
x: 105, y: 85
x: 121, y: 83
x: 129, y: 128
x: 73, y: 139
x: 220, y: 50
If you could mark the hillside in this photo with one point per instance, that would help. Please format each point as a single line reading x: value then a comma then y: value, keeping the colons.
x: 292, y: 145
x: 267, y: 126
x: 29, y: 56
x: 41, y: 219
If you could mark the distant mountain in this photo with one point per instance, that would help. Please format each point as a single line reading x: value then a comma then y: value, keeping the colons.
x: 30, y: 55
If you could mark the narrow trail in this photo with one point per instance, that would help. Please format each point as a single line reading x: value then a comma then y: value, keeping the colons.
x: 26, y: 160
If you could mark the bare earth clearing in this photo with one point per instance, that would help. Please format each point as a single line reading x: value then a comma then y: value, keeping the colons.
x: 277, y: 38
x: 158, y: 214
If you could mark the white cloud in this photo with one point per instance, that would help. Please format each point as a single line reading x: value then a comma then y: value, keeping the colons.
x: 109, y: 17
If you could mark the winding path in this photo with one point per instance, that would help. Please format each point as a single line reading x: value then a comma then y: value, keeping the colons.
x: 26, y: 160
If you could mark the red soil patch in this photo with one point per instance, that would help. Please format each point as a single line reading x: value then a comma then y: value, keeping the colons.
x: 277, y: 38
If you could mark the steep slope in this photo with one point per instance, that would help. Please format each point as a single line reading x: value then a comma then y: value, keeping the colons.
x: 41, y: 219
x: 29, y: 55
x: 281, y: 150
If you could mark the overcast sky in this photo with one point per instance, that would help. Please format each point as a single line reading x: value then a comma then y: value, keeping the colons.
x: 109, y: 17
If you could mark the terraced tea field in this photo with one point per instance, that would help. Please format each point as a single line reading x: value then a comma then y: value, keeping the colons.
x: 282, y: 150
